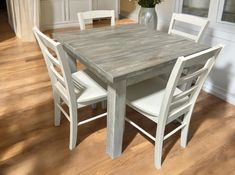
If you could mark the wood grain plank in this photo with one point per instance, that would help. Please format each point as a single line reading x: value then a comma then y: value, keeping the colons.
x: 123, y: 51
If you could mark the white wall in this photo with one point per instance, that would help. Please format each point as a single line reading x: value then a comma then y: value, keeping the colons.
x: 221, y: 81
x: 63, y: 13
x: 106, y: 5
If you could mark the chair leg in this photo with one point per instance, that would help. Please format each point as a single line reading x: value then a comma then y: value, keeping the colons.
x: 57, y: 100
x: 184, y: 136
x: 158, y: 148
x: 73, y: 127
x: 184, y: 131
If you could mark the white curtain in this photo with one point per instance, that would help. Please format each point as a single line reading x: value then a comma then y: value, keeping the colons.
x: 23, y: 16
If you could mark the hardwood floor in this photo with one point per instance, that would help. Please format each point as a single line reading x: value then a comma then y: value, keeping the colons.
x: 30, y: 144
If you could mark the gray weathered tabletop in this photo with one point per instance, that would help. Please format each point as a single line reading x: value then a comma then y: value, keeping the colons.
x: 120, y: 52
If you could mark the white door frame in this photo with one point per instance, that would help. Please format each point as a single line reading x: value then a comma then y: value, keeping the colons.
x: 117, y: 10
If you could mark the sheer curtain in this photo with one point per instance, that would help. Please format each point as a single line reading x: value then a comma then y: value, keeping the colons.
x: 23, y: 16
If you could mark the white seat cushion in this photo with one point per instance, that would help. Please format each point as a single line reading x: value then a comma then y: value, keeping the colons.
x: 91, y: 90
x: 146, y: 97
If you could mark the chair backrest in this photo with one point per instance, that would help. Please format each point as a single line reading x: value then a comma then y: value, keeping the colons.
x: 175, y: 104
x: 82, y: 16
x: 191, y: 20
x: 57, y: 65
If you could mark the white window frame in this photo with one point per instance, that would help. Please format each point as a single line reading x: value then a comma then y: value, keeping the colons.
x: 220, y: 14
x: 179, y: 6
x: 214, y: 15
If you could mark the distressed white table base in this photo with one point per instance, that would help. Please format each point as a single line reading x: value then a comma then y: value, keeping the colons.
x: 115, y: 118
x: 72, y: 64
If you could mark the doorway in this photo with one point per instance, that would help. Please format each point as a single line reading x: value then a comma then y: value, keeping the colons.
x: 3, y: 6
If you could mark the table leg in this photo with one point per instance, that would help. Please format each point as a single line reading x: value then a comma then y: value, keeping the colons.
x: 116, y: 118
x: 72, y: 64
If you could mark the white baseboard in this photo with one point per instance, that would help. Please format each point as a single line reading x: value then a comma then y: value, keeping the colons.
x: 219, y: 92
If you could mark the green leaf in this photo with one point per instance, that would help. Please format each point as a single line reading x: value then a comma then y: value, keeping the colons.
x: 148, y: 3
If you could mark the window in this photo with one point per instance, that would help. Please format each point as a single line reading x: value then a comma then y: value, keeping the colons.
x: 196, y: 7
x: 229, y: 11
x: 220, y: 13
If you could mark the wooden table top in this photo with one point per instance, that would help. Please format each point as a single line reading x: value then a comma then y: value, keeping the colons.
x: 120, y: 52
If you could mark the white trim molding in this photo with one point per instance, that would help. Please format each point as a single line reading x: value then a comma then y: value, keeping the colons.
x: 219, y: 92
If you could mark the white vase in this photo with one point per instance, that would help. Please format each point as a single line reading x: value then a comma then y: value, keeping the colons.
x: 148, y: 17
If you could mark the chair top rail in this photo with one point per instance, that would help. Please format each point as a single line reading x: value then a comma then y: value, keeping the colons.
x: 94, y: 15
x: 195, y: 20
x: 48, y: 42
x: 201, y: 57
x: 189, y: 19
x: 97, y: 14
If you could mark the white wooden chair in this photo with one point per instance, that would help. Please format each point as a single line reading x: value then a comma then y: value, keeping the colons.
x: 163, y: 102
x: 95, y: 14
x: 191, y: 20
x: 76, y: 90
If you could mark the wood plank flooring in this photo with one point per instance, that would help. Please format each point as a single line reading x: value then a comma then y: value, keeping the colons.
x: 30, y: 144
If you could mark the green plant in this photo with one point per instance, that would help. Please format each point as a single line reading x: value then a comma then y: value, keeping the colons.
x: 148, y: 3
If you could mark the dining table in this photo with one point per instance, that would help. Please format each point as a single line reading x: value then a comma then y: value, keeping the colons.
x: 122, y: 56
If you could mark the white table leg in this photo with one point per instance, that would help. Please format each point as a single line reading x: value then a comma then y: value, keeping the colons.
x: 116, y: 118
x: 72, y: 64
